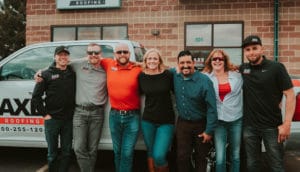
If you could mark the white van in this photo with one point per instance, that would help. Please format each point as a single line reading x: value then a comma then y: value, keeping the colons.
x: 18, y: 127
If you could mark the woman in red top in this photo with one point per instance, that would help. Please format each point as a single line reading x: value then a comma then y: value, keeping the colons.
x: 228, y: 87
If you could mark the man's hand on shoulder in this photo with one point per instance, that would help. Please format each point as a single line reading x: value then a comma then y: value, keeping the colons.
x: 138, y: 64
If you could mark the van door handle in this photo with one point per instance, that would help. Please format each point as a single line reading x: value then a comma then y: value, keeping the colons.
x: 30, y: 92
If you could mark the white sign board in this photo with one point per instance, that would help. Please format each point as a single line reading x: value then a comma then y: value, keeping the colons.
x: 87, y: 4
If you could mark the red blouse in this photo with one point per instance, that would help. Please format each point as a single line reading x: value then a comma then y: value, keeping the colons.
x: 223, y: 90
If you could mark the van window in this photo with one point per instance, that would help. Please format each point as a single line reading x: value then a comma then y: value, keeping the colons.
x: 25, y: 65
x: 107, y: 51
x: 79, y: 51
x: 139, y: 53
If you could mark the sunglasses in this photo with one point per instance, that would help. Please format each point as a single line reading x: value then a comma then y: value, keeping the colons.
x: 217, y: 58
x: 122, y: 51
x: 93, y: 52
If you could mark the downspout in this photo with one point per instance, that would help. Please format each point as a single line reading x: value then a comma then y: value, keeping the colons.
x: 276, y: 25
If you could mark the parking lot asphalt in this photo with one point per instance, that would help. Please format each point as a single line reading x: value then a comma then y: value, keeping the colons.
x: 34, y: 159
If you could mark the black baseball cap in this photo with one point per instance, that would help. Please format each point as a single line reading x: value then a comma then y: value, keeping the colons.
x: 61, y: 49
x: 251, y: 40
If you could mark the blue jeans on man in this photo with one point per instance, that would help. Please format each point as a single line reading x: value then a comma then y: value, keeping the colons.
x: 228, y: 133
x: 124, y: 129
x: 158, y: 139
x: 253, y: 138
x: 56, y: 129
x: 87, y: 128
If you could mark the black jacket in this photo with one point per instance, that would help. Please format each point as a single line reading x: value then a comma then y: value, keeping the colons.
x: 59, y: 88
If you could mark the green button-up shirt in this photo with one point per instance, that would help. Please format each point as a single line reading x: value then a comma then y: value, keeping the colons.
x: 195, y: 98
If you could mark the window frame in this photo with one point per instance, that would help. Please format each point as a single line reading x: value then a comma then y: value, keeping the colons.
x: 101, y: 26
x: 212, y: 46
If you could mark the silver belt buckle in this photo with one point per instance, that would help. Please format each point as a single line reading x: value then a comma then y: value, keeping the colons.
x: 123, y: 112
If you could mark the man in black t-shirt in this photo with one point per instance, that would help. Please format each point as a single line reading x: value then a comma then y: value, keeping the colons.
x: 265, y: 82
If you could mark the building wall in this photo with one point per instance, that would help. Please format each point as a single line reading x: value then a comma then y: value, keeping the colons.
x: 169, y: 16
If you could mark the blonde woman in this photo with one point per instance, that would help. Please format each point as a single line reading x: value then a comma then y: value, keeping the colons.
x: 228, y: 88
x: 156, y: 84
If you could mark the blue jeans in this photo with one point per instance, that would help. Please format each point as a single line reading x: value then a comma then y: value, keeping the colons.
x: 87, y: 128
x: 158, y: 138
x: 228, y: 132
x: 253, y: 138
x: 55, y: 129
x: 124, y: 131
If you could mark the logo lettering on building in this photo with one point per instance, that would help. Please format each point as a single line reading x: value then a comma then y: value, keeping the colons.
x: 87, y: 2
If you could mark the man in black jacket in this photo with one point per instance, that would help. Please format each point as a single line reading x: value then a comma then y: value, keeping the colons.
x: 57, y: 108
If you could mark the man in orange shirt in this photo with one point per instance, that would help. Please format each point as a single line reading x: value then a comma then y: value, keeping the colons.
x: 124, y: 117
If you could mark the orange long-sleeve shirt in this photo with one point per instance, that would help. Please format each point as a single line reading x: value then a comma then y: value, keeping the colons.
x: 122, y: 85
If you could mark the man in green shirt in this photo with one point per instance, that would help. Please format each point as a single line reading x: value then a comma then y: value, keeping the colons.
x: 196, y: 105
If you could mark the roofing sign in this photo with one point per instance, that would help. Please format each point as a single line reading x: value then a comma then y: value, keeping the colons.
x: 87, y: 4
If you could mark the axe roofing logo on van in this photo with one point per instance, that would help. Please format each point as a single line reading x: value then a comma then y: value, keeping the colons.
x: 6, y: 108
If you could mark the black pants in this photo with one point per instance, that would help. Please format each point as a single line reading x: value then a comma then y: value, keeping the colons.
x: 187, y: 140
x: 56, y: 129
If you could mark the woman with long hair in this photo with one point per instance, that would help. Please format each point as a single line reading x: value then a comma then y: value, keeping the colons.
x: 156, y: 83
x: 228, y: 87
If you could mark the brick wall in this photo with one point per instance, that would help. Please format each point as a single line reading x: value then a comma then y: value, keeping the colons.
x: 169, y: 16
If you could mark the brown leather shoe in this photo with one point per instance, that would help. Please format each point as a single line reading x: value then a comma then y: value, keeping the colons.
x: 151, y: 165
x: 162, y: 169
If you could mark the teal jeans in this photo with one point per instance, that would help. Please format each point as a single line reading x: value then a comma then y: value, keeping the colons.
x: 158, y: 139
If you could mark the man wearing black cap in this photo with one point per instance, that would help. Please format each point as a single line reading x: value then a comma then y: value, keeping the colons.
x: 265, y: 82
x: 91, y: 97
x: 57, y: 108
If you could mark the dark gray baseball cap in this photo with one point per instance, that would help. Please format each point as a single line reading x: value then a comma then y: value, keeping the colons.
x: 251, y: 40
x: 61, y: 49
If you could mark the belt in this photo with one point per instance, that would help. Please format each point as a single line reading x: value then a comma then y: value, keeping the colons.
x: 89, y: 107
x: 125, y: 112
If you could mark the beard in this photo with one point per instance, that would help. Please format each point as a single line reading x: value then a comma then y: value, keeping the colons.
x: 255, y: 61
x: 122, y: 60
x: 186, y: 71
x: 94, y: 60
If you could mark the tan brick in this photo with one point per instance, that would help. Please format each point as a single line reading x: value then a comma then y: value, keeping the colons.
x: 294, y: 59
x: 294, y: 22
x: 288, y: 28
x: 263, y: 29
x: 287, y: 53
x: 288, y: 4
